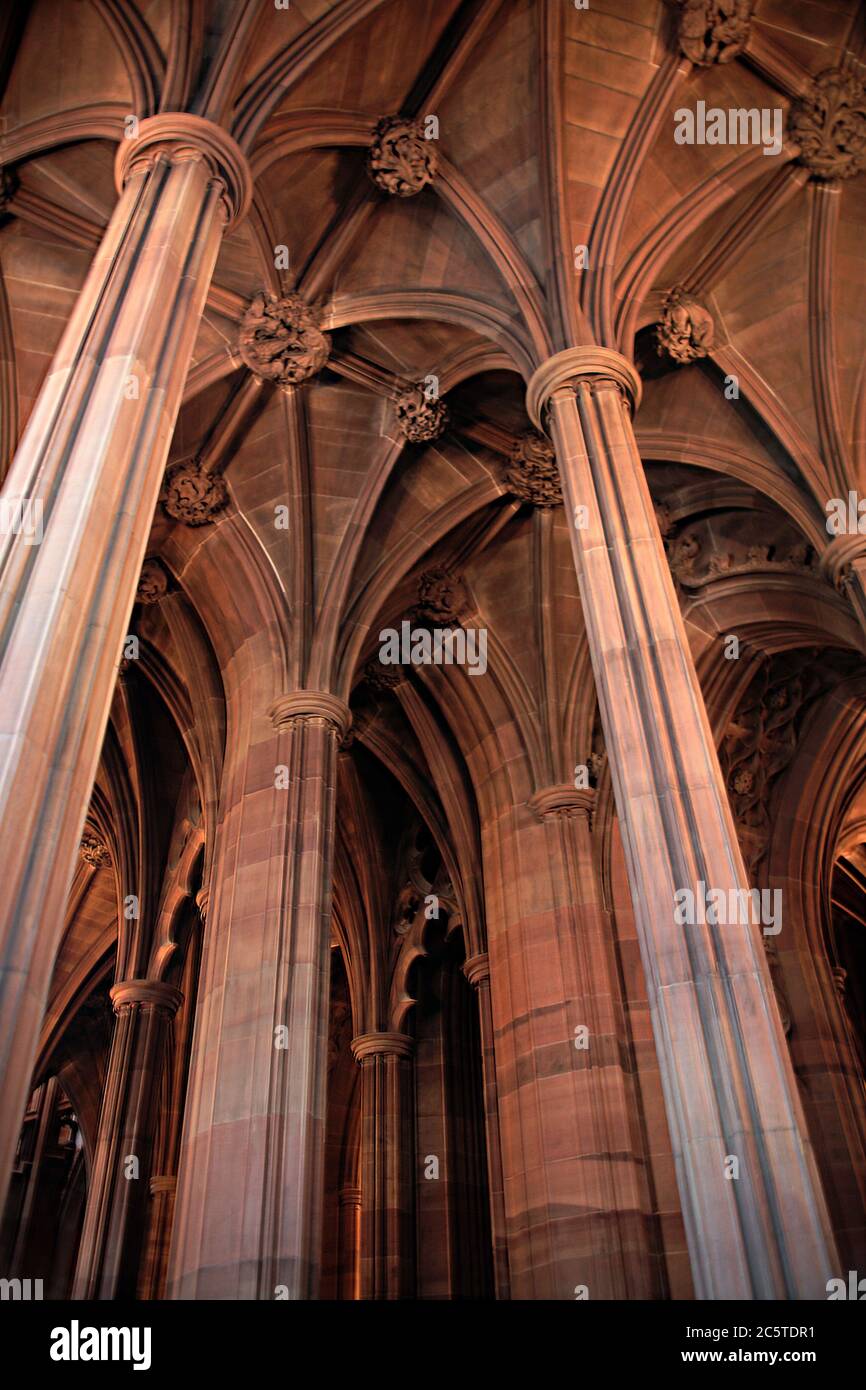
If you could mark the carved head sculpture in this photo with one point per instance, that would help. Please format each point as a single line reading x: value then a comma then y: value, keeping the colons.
x: 686, y: 330
x: 714, y: 31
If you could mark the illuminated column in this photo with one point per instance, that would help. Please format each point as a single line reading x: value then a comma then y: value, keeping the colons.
x: 248, y: 1221
x: 730, y: 1092
x: 88, y: 472
x: 114, y: 1218
x: 387, y: 1164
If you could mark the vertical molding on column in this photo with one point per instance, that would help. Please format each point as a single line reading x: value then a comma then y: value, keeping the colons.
x: 250, y: 1190
x: 387, y: 1164
x: 728, y: 1083
x: 127, y: 1121
x: 477, y: 971
x: 92, y: 457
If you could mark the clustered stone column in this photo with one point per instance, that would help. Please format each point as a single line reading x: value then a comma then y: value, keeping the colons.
x: 250, y: 1185
x: 728, y: 1083
x: 88, y: 470
x: 477, y: 971
x: 579, y: 1221
x: 387, y: 1152
x: 118, y: 1181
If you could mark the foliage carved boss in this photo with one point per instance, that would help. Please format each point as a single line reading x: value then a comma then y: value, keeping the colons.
x: 280, y: 339
x: 401, y: 160
x: 829, y: 125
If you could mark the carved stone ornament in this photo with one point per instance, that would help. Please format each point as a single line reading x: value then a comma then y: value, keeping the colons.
x: 152, y: 583
x: 762, y: 738
x: 93, y: 851
x: 714, y: 31
x: 532, y: 473
x: 382, y: 678
x: 563, y: 802
x: 829, y: 125
x: 420, y: 417
x: 280, y: 339
x: 698, y: 554
x: 192, y: 495
x: 441, y: 596
x: 686, y: 330
x: 401, y: 161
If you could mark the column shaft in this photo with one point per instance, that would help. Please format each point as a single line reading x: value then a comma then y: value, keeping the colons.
x: 729, y: 1088
x: 115, y: 1214
x: 387, y: 1153
x: 90, y: 465
x: 250, y: 1189
x: 477, y: 972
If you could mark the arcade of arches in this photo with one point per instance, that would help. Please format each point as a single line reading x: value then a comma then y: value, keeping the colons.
x: 323, y: 976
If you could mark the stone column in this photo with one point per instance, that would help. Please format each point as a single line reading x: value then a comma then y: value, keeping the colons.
x: 45, y: 1122
x: 115, y: 1214
x: 350, y: 1242
x: 87, y: 475
x: 730, y: 1092
x: 477, y: 971
x: 248, y: 1222
x: 163, y: 1189
x: 387, y: 1164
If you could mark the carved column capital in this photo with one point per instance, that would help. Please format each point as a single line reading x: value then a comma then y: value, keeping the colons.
x: 180, y: 136
x: 564, y: 800
x: 382, y: 1045
x: 311, y: 704
x: 153, y: 994
x: 568, y: 367
x: 839, y: 556
x: 477, y: 969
